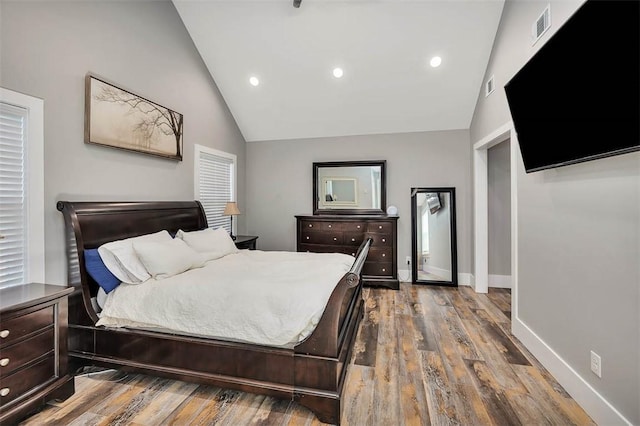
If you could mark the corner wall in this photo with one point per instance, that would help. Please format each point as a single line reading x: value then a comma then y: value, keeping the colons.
x: 578, y: 285
x: 48, y: 47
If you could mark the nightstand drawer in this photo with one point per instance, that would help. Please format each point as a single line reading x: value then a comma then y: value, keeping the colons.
x: 353, y: 238
x: 23, y: 352
x: 18, y: 327
x: 354, y: 226
x: 15, y: 385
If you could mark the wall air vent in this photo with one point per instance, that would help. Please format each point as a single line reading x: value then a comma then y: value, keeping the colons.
x: 489, y: 87
x: 541, y: 25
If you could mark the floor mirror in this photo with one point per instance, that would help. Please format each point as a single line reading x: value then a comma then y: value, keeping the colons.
x: 434, y: 257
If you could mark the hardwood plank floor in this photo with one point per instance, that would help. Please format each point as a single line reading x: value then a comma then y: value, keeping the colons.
x: 424, y: 355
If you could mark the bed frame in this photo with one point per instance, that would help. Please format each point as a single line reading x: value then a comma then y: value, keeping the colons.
x: 312, y: 373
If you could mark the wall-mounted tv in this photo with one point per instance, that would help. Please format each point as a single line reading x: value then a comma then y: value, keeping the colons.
x: 578, y: 97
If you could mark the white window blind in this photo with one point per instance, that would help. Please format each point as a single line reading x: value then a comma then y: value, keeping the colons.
x: 13, y: 206
x: 215, y: 183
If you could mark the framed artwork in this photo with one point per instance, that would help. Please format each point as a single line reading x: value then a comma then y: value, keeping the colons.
x: 121, y: 119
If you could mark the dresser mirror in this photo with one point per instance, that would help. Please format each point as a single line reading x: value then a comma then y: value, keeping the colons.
x: 349, y: 187
x: 433, y: 236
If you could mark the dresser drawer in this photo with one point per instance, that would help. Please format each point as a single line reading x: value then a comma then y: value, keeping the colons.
x: 377, y: 268
x: 380, y: 240
x: 320, y: 225
x: 22, y: 381
x: 18, y: 327
x: 331, y: 238
x: 316, y: 248
x: 23, y: 352
x: 354, y: 226
x: 353, y: 238
x: 380, y: 227
x: 380, y: 255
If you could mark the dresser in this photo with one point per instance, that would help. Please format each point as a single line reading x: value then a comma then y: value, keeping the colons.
x: 246, y: 242
x: 33, y: 349
x: 345, y: 233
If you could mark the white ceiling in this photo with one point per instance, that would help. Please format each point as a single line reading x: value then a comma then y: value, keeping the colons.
x: 384, y: 48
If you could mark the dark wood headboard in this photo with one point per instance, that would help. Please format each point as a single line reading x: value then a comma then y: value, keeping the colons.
x: 88, y: 225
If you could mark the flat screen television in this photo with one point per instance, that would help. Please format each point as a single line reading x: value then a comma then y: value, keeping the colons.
x: 578, y: 97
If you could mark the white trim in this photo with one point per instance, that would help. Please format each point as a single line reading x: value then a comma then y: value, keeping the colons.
x: 481, y: 197
x: 500, y: 281
x: 34, y: 150
x: 196, y: 174
x: 600, y: 410
x: 466, y: 279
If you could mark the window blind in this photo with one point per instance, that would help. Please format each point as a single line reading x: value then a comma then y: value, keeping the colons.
x: 215, y: 187
x: 13, y: 206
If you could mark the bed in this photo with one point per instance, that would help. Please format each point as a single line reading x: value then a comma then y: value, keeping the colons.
x: 311, y: 372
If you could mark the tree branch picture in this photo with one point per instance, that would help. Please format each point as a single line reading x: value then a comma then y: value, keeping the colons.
x: 117, y: 118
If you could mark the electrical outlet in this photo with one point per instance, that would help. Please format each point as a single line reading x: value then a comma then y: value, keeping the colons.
x: 596, y: 364
x: 408, y: 260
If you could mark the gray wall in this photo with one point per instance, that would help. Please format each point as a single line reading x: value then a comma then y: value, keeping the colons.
x: 579, y: 236
x: 279, y: 181
x: 499, y: 175
x: 48, y: 47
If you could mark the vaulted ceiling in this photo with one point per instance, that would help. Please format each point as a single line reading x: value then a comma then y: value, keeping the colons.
x: 383, y: 47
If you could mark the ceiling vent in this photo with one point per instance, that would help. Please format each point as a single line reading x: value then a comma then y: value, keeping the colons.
x: 489, y: 87
x: 541, y: 25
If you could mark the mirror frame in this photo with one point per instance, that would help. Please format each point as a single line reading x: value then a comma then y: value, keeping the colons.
x: 318, y: 210
x: 414, y: 237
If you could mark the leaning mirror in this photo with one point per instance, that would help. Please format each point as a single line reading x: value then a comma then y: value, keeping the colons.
x: 433, y: 236
x: 349, y: 187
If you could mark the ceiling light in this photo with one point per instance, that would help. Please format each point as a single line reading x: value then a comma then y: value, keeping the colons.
x: 337, y: 72
x: 254, y: 81
x: 435, y: 61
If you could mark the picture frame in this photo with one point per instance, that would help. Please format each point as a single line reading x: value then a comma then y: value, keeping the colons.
x: 121, y: 119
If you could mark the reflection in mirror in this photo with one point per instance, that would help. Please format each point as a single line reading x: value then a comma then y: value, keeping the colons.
x: 350, y: 187
x: 434, y: 257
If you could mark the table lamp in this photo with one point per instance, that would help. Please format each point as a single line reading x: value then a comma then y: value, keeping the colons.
x: 231, y: 209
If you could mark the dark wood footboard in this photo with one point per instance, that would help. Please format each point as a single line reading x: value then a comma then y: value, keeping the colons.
x: 312, y: 373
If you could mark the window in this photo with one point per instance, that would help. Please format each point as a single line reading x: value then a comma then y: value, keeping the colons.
x: 215, y: 184
x: 21, y: 189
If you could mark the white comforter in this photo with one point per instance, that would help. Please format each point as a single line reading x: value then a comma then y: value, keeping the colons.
x: 267, y: 298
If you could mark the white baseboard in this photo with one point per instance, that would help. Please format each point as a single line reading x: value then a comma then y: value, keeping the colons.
x: 500, y: 281
x: 404, y: 275
x: 600, y: 410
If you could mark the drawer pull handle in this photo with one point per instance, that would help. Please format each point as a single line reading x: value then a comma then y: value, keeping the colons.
x: 384, y: 240
x: 353, y: 254
x: 4, y: 391
x: 335, y: 238
x: 4, y: 333
x: 384, y: 254
x: 307, y: 238
x: 4, y: 362
x: 380, y: 227
x: 353, y: 239
x: 329, y: 226
x: 310, y: 225
x: 384, y: 270
x: 358, y: 226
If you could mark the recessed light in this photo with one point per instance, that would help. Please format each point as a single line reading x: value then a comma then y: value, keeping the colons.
x: 254, y: 81
x: 435, y: 61
x: 337, y: 72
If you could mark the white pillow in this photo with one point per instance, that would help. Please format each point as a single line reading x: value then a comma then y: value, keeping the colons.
x: 120, y: 258
x: 213, y: 244
x: 164, y: 259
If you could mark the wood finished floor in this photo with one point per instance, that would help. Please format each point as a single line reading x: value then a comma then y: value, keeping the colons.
x: 424, y: 355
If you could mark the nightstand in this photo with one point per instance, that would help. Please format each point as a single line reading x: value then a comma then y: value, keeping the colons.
x: 33, y: 349
x: 246, y: 242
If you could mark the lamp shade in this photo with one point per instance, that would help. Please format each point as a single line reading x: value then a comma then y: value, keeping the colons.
x: 231, y: 209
